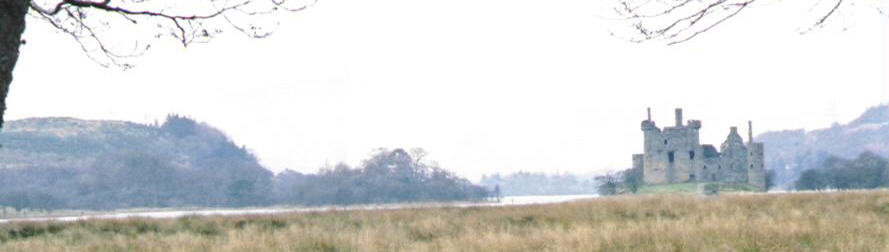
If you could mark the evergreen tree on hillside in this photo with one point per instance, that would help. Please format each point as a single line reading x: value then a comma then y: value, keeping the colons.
x: 868, y: 170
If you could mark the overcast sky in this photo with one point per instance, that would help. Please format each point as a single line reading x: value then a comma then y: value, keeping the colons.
x: 484, y: 86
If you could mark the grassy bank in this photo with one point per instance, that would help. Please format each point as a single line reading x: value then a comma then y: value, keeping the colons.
x: 840, y: 221
x: 693, y: 188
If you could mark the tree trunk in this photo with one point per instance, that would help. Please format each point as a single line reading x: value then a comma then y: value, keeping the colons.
x: 12, y: 25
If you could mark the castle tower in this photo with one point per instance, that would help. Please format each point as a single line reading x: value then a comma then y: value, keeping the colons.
x: 732, y: 141
x: 755, y: 161
x: 638, y: 161
x: 671, y: 155
x: 651, y: 138
x: 749, y: 131
x: 733, y: 155
x: 678, y: 117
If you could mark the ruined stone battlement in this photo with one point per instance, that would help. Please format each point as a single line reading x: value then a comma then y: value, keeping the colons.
x: 675, y: 155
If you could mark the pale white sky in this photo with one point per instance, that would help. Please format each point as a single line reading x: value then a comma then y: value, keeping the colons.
x: 484, y: 86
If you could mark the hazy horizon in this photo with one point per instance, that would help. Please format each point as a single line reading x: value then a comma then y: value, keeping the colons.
x: 539, y: 88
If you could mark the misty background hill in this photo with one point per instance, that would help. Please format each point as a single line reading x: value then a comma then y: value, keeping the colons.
x: 51, y: 163
x: 855, y: 148
x: 73, y: 163
x: 538, y: 183
x: 791, y: 152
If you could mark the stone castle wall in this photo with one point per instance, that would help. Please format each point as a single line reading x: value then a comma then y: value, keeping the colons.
x: 675, y: 155
x: 756, y: 166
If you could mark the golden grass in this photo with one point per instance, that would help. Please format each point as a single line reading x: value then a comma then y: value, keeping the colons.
x: 693, y: 188
x: 839, y: 221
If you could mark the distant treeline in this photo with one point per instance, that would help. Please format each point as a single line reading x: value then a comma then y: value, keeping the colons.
x: 791, y: 152
x: 527, y: 183
x: 62, y: 163
x: 388, y: 176
x: 866, y: 171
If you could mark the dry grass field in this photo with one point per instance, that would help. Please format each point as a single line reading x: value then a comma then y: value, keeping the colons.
x: 837, y: 221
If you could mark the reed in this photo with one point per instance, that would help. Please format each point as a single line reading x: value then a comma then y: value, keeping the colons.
x: 835, y: 221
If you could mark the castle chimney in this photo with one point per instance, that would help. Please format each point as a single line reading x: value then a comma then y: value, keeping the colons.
x: 679, y: 117
x: 750, y: 131
x: 649, y: 114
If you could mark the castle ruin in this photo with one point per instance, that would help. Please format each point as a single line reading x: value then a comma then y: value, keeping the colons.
x: 675, y: 155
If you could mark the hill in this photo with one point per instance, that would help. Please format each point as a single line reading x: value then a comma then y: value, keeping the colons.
x: 73, y: 163
x: 52, y: 163
x: 791, y: 152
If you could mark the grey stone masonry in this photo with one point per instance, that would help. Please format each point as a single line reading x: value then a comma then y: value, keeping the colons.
x: 675, y: 155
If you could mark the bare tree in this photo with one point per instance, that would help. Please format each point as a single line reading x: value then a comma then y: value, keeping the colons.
x: 418, y: 154
x: 609, y: 183
x: 677, y: 21
x: 113, y: 32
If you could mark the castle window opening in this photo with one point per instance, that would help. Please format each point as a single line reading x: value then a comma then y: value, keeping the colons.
x: 670, y: 156
x: 705, y: 167
x: 691, y: 155
x: 665, y: 142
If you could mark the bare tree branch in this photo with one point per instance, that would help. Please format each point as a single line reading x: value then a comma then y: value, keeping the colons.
x: 738, y: 10
x: 678, y: 21
x: 87, y: 22
x: 820, y: 22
